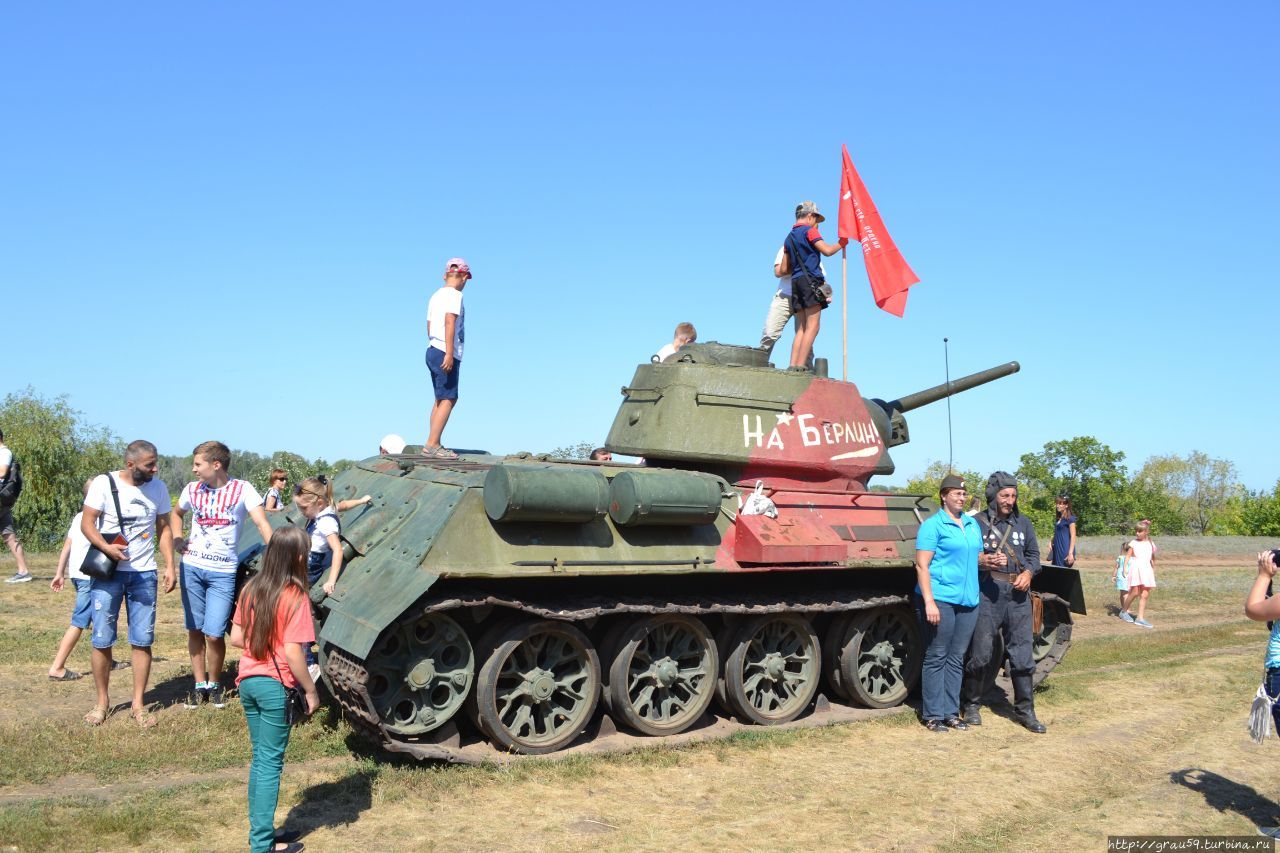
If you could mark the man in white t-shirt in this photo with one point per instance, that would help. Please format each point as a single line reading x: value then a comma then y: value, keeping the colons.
x: 7, y: 530
x: 144, y: 505
x: 210, y: 555
x: 445, y: 317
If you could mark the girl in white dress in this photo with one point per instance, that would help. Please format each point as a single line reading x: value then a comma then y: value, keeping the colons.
x: 1141, y: 574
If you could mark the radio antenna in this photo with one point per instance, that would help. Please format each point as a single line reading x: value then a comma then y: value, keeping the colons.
x: 946, y: 360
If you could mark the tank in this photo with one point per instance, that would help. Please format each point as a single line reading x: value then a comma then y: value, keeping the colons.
x: 524, y: 605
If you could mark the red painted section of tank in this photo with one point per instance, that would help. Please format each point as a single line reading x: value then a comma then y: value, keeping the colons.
x: 827, y: 438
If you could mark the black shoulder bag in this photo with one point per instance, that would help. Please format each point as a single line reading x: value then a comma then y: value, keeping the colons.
x: 802, y: 278
x: 295, y: 704
x: 98, y: 565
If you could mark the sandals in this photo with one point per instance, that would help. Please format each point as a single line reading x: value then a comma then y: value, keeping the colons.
x: 96, y: 717
x: 143, y: 718
x: 438, y: 453
x: 67, y: 675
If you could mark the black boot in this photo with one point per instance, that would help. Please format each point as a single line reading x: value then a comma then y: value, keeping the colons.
x: 1024, y: 705
x: 971, y: 699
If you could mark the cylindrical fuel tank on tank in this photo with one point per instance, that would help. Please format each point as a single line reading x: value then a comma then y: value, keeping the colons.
x: 664, y: 498
x: 525, y: 493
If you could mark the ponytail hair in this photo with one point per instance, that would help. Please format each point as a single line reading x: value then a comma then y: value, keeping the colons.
x: 319, y: 487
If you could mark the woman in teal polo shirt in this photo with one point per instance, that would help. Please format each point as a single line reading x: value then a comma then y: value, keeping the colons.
x: 946, y: 599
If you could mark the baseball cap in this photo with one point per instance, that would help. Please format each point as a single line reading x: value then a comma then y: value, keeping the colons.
x: 392, y: 444
x: 951, y: 481
x: 804, y: 208
x: 459, y: 264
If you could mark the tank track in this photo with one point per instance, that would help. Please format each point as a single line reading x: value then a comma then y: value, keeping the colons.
x: 348, y: 677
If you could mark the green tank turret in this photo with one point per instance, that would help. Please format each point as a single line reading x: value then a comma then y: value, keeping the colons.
x: 523, y: 604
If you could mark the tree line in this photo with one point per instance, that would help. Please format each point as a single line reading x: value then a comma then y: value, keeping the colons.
x: 1193, y: 494
x: 59, y: 450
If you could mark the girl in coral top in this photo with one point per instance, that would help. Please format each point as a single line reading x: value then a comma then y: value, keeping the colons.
x: 273, y: 625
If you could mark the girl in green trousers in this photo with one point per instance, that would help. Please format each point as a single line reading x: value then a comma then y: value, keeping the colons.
x: 273, y: 625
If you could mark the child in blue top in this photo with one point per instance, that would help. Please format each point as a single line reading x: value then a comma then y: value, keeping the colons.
x: 1263, y: 608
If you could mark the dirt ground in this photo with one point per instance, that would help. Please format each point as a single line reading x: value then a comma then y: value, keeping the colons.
x: 1152, y: 744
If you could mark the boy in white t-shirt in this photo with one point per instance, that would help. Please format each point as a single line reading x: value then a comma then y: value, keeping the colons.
x: 685, y: 334
x: 210, y: 555
x: 445, y: 316
x: 74, y: 549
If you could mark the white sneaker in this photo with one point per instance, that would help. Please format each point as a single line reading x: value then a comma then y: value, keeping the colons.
x: 1126, y: 616
x: 19, y: 577
x: 314, y: 669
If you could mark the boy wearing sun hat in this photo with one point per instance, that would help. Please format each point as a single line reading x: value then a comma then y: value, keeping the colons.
x: 445, y: 317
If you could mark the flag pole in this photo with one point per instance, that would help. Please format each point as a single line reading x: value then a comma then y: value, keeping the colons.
x: 844, y: 311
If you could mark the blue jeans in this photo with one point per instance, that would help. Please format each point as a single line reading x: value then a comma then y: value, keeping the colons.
x: 138, y: 591
x: 317, y: 564
x: 82, y: 612
x: 207, y: 600
x: 1272, y: 683
x: 945, y: 645
x: 263, y: 700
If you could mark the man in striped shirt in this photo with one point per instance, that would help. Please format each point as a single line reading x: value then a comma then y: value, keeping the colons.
x: 210, y: 555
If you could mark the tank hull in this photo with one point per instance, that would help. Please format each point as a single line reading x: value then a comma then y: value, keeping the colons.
x: 456, y: 636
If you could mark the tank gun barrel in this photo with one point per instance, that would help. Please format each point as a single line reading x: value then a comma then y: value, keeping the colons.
x: 955, y: 386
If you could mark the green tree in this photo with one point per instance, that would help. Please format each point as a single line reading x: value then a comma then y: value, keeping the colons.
x: 1089, y: 471
x: 1254, y: 513
x: 1198, y: 487
x: 578, y: 450
x: 58, y: 451
x: 927, y: 482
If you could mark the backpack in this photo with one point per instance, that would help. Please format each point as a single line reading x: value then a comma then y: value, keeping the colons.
x: 12, y: 485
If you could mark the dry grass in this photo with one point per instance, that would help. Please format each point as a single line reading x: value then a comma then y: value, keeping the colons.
x: 1146, y: 735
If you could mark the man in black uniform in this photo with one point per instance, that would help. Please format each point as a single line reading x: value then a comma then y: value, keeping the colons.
x: 1010, y: 558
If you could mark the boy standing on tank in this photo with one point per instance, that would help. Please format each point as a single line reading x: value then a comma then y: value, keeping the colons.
x: 219, y: 506
x: 445, y: 317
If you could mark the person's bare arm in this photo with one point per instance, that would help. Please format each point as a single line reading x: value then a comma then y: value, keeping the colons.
x: 1071, y: 548
x: 352, y: 503
x: 931, y: 612
x: 828, y: 249
x: 272, y: 499
x: 89, y: 527
x: 298, y: 666
x: 450, y: 329
x: 259, y: 516
x: 1257, y: 606
x: 60, y: 576
x: 236, y: 637
x: 783, y: 267
x: 336, y: 569
x: 164, y: 533
x: 175, y: 528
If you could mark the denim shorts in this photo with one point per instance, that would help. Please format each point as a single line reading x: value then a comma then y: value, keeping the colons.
x: 444, y: 382
x: 138, y: 592
x: 82, y: 611
x: 207, y: 600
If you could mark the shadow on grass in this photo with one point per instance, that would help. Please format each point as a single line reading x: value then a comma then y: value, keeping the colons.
x: 1225, y: 795
x: 332, y: 804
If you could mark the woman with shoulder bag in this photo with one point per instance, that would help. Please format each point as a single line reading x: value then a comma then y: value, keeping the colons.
x: 273, y: 625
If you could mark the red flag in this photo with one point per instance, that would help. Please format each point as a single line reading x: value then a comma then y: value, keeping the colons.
x: 860, y: 221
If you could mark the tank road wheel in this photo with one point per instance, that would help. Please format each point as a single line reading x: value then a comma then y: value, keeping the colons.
x: 836, y: 633
x: 772, y: 668
x: 880, y: 657
x: 538, y: 687
x: 420, y: 672
x: 661, y: 673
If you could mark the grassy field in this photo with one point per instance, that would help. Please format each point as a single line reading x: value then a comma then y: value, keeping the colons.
x: 1147, y: 735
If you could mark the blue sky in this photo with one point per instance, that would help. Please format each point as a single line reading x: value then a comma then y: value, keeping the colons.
x: 226, y: 221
